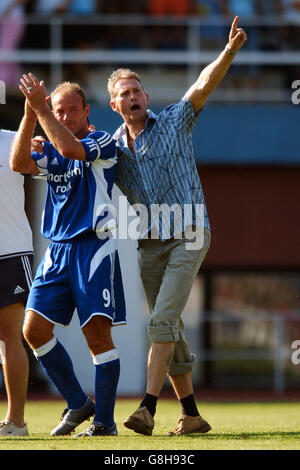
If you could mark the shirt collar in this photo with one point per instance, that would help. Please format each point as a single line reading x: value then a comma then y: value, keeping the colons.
x: 121, y: 131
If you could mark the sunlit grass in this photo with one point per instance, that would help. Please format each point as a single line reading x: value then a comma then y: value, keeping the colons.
x: 235, y: 426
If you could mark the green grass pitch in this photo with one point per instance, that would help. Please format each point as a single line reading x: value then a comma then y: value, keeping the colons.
x: 235, y: 426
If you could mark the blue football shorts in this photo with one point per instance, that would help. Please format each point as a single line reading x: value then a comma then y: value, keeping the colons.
x: 83, y: 274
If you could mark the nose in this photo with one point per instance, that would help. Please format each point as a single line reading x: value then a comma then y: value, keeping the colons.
x: 66, y: 117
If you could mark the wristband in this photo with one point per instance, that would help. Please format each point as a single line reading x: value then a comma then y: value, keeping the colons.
x: 229, y: 51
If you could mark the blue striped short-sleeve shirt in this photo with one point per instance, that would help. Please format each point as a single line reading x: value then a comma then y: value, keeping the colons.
x: 163, y: 170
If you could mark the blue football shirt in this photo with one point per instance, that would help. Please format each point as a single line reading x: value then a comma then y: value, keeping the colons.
x: 78, y: 199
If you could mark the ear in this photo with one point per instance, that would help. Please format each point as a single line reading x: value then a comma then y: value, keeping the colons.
x: 87, y: 110
x: 114, y: 107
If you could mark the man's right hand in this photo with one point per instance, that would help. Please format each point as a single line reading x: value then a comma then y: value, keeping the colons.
x: 34, y: 91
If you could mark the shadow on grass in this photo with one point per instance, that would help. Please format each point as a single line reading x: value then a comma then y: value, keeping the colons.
x: 209, y: 437
x: 245, y: 435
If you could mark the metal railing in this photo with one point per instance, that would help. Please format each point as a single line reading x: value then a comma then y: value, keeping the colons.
x: 192, y: 57
x: 276, y: 347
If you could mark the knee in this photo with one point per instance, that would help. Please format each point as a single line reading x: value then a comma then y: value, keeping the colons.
x: 11, y: 323
x: 30, y: 335
x: 8, y: 334
x: 35, y: 335
x: 98, y: 335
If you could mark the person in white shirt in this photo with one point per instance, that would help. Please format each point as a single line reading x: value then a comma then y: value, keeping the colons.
x: 16, y: 255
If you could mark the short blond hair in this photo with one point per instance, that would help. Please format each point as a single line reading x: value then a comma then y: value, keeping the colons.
x: 118, y: 75
x: 66, y: 88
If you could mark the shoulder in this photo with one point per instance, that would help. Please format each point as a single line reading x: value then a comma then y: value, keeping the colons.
x: 184, y: 105
x: 173, y: 113
x: 180, y: 116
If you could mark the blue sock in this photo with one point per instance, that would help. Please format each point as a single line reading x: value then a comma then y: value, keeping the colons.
x: 107, y: 366
x: 57, y: 364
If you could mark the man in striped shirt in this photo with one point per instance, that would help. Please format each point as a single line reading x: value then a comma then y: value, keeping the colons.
x: 157, y: 168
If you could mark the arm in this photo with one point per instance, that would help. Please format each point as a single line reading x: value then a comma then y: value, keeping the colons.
x: 20, y: 157
x: 212, y: 75
x: 61, y: 138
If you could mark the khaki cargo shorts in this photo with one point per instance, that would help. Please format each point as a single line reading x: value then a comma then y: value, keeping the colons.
x: 167, y: 271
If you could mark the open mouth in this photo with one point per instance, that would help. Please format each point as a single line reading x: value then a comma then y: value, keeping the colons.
x: 135, y: 107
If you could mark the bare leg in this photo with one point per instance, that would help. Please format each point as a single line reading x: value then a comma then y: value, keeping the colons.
x: 182, y: 385
x: 37, y: 330
x: 159, y: 360
x: 15, y: 362
x: 98, y: 335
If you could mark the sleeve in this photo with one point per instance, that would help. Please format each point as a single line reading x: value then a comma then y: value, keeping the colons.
x: 99, y: 145
x: 181, y: 116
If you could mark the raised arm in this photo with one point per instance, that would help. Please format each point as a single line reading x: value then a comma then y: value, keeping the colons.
x: 58, y: 134
x: 20, y: 156
x: 212, y: 75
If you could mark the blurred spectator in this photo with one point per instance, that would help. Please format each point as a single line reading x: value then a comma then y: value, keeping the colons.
x: 52, y: 6
x: 39, y: 34
x: 291, y: 9
x: 120, y: 7
x: 269, y: 36
x: 265, y: 7
x: 290, y: 36
x: 290, y: 33
x: 169, y: 37
x: 211, y: 36
x: 87, y: 35
x: 82, y: 36
x: 12, y: 27
x: 242, y: 8
x: 132, y: 36
x: 170, y: 7
x: 86, y: 7
x: 245, y: 9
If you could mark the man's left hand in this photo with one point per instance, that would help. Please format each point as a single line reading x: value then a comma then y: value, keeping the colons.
x: 237, y: 36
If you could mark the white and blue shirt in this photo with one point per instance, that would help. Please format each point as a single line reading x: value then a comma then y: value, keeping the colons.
x: 78, y: 197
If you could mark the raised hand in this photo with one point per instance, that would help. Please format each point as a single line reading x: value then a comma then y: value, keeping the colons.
x: 237, y: 36
x: 34, y: 91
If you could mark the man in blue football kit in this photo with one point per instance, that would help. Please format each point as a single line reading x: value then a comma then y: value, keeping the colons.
x: 80, y: 268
